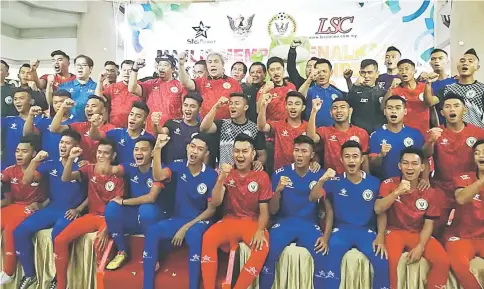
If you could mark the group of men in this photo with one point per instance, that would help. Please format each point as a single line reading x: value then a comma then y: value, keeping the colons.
x: 388, y: 163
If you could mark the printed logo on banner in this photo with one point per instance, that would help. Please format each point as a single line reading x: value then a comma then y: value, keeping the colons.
x: 281, y: 24
x: 241, y: 25
x: 333, y: 26
x: 201, y: 36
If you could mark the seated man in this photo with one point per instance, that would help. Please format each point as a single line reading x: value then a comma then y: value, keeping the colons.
x: 20, y: 201
x: 411, y: 214
x: 465, y: 236
x: 296, y: 215
x: 193, y: 183
x: 246, y: 216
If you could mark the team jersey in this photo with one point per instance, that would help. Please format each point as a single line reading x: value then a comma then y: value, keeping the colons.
x: 418, y: 112
x: 165, y: 97
x: 17, y: 191
x: 327, y: 95
x: 243, y: 194
x: 62, y: 195
x: 366, y: 104
x: 276, y: 110
x: 468, y: 219
x: 124, y: 143
x: 332, y: 139
x: 473, y: 95
x: 384, y: 81
x: 438, y: 87
x: 180, y: 135
x: 50, y: 140
x: 58, y: 79
x: 101, y: 189
x: 406, y: 137
x: 284, y: 135
x: 7, y: 108
x: 409, y: 211
x: 121, y: 103
x: 80, y: 94
x: 295, y: 196
x: 212, y: 90
x: 88, y: 145
x: 191, y: 192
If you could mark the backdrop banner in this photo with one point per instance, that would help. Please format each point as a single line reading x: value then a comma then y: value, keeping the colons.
x: 345, y: 32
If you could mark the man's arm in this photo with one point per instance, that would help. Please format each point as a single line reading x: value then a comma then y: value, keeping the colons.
x: 96, y: 122
x: 185, y: 79
x: 416, y: 253
x: 68, y: 175
x: 49, y: 90
x: 133, y: 86
x: 56, y: 126
x: 328, y: 208
x: 40, y: 83
x: 262, y: 124
x: 208, y: 124
x: 100, y: 84
x: 6, y: 201
x: 292, y: 71
x: 318, y: 192
x: 383, y: 204
x: 29, y: 122
x: 311, y: 125
x: 29, y: 173
x: 155, y: 121
x: 429, y: 97
x: 303, y: 89
x: 465, y: 195
x: 205, y: 215
x: 160, y: 174
x: 149, y: 198
x: 264, y: 216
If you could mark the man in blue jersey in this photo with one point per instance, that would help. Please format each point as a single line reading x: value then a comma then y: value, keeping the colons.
x: 66, y: 202
x: 321, y: 75
x: 297, y: 216
x: 353, y: 195
x: 192, y: 213
x: 125, y: 138
x: 135, y: 214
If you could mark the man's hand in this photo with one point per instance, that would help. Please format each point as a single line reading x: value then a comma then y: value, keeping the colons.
x: 359, y: 81
x: 423, y: 184
x: 118, y: 200
x: 103, y: 76
x: 295, y: 43
x: 101, y: 240
x: 395, y: 82
x: 68, y: 103
x: 225, y: 170
x: 434, y: 134
x: 314, y: 167
x: 35, y: 110
x: 156, y: 118
x: 266, y: 99
x: 314, y: 75
x: 415, y: 254
x: 221, y: 102
x: 432, y: 77
x: 96, y: 120
x: 348, y: 73
x: 34, y: 64
x: 328, y: 174
x: 321, y: 245
x: 257, y: 166
x: 403, y: 188
x: 82, y: 163
x: 75, y: 152
x: 182, y: 58
x: 317, y: 104
x: 268, y: 86
x: 161, y: 141
x: 258, y: 240
x: 423, y: 76
x: 72, y: 214
x: 177, y: 240
x: 50, y: 79
x: 35, y: 206
x: 385, y: 148
x: 139, y: 63
x: 41, y: 156
x: 283, y: 182
x: 379, y: 246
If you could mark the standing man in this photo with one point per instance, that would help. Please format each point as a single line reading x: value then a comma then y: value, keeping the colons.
x: 60, y: 63
x: 8, y: 108
x: 257, y: 74
x: 200, y: 69
x: 238, y: 71
x: 25, y: 82
x: 411, y: 214
x: 212, y: 87
x: 81, y: 87
x: 246, y: 214
x: 392, y: 57
x: 294, y: 75
x: 112, y: 72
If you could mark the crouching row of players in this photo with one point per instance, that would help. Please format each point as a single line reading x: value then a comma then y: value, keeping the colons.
x: 350, y: 202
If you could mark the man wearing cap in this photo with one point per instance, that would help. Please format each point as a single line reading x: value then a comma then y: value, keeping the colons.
x: 213, y: 87
x: 60, y: 63
x: 163, y: 94
x: 392, y: 57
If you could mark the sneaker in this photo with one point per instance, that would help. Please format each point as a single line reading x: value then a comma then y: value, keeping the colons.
x: 118, y: 261
x: 26, y: 282
x: 4, y: 278
x: 53, y: 284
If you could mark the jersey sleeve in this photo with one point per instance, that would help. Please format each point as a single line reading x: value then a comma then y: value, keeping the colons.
x: 43, y: 124
x: 218, y: 123
x: 199, y: 83
x: 364, y: 141
x: 85, y: 171
x: 108, y: 91
x: 147, y: 87
x: 265, y: 193
x: 45, y: 167
x: 375, y: 147
x: 419, y: 140
x: 78, y: 127
x: 275, y: 180
x: 435, y: 204
x: 387, y: 187
x: 170, y: 125
x: 111, y: 134
x: 260, y: 141
x: 328, y: 189
x: 6, y: 176
x: 462, y: 181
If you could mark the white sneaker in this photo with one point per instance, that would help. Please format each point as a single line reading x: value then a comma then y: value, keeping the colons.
x: 4, y: 278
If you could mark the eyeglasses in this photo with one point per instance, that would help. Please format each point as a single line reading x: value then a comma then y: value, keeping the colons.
x: 81, y: 65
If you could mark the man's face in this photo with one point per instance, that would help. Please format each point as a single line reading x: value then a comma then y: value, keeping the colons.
x: 65, y: 145
x: 243, y: 155
x: 310, y: 67
x: 406, y: 72
x: 93, y: 106
x: 197, y: 150
x: 57, y: 102
x: 479, y: 157
x: 237, y: 107
x: 302, y: 153
x: 395, y: 111
x: 142, y: 153
x: 125, y: 71
x: 83, y: 71
x: 165, y: 70
x: 112, y: 73
x: 137, y: 119
x: 276, y: 72
x: 24, y: 154
x: 294, y: 107
x: 105, y: 154
x: 60, y: 63
x: 199, y: 71
x: 438, y: 61
x: 324, y: 74
x: 391, y: 59
x: 369, y: 74
x: 453, y: 110
x: 24, y: 75
x: 340, y: 111
x: 22, y: 101
x: 238, y: 72
x: 190, y: 109
x: 3, y: 72
x: 257, y: 74
x: 411, y: 166
x: 468, y: 64
x: 215, y: 66
x: 352, y: 160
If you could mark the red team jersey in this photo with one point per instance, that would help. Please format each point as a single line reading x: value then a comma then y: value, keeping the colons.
x: 58, y: 80
x: 418, y: 112
x: 101, y: 189
x: 284, y: 135
x: 468, y: 222
x: 212, y: 90
x: 244, y: 193
x: 20, y: 193
x: 165, y: 97
x: 88, y: 145
x: 276, y: 110
x: 121, y: 102
x: 332, y: 139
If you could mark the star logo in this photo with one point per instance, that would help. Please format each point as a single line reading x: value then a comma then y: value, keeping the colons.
x: 14, y: 181
x: 177, y: 131
x: 14, y: 126
x: 145, y: 255
x: 71, y: 90
x: 384, y: 141
x: 445, y: 141
x: 135, y: 179
x: 121, y: 142
x: 252, y: 271
x: 343, y: 192
x: 201, y: 30
x: 54, y: 172
x: 195, y: 258
x: 231, y: 183
x: 333, y: 138
x: 184, y: 177
x: 285, y: 133
x: 206, y: 259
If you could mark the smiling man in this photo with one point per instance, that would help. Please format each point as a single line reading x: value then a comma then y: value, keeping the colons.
x: 60, y: 63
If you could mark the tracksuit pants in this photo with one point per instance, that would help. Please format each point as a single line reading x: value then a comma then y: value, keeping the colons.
x: 283, y: 233
x: 163, y: 232
x: 461, y: 252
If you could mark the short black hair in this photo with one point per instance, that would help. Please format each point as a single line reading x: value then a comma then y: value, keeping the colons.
x: 25, y: 65
x: 88, y: 59
x: 101, y: 99
x: 109, y: 62
x: 141, y: 105
x: 412, y: 150
x: 314, y: 58
x: 368, y: 62
x: 341, y: 99
x: 305, y: 139
x: 19, y: 90
x: 60, y: 52
x: 406, y: 61
x: 275, y: 59
x: 393, y: 48
x: 203, y: 137
x: 351, y: 144
x: 150, y: 140
x: 295, y: 93
x: 127, y: 61
x: 32, y: 139
x: 477, y: 143
x: 396, y: 97
x: 239, y: 94
x: 244, y: 67
x: 62, y: 92
x: 452, y: 95
x: 324, y: 61
x: 5, y: 63
x: 72, y: 134
x: 436, y: 50
x: 264, y: 68
x: 195, y: 96
x: 106, y: 141
x: 201, y: 62
x: 243, y: 137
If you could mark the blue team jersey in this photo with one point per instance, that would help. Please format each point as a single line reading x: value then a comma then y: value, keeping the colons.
x: 62, y: 195
x: 80, y: 93
x: 438, y: 90
x: 295, y: 197
x: 353, y: 204
x: 407, y: 137
x: 124, y: 143
x: 139, y: 183
x: 192, y: 192
x: 50, y: 140
x: 327, y: 95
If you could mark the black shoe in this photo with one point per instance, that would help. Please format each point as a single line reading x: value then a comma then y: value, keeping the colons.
x: 27, y: 282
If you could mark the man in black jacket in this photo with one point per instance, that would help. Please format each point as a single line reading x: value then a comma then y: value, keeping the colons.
x: 294, y: 75
x: 257, y: 74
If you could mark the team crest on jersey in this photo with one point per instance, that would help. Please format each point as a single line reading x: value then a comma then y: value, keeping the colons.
x: 202, y: 188
x: 253, y: 187
x: 368, y: 195
x: 470, y: 141
x: 355, y: 138
x: 421, y: 96
x: 149, y: 182
x: 312, y: 184
x: 408, y: 142
x: 471, y: 93
x: 174, y: 89
x: 8, y: 100
x: 421, y: 204
x: 109, y: 186
x: 227, y: 85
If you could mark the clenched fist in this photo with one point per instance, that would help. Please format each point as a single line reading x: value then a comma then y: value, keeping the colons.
x: 317, y: 104
x: 68, y: 103
x: 435, y: 133
x: 222, y: 101
x: 96, y: 120
x: 182, y: 58
x: 75, y: 152
x: 328, y: 174
x: 156, y: 118
x: 403, y: 188
x: 139, y: 63
x: 385, y: 148
x: 225, y: 170
x: 348, y: 73
x: 283, y: 182
x: 35, y: 110
x: 162, y: 140
x: 268, y: 86
x: 40, y: 156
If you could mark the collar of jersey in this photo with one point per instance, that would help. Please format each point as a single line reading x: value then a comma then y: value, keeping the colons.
x: 222, y: 77
x: 363, y: 174
x: 75, y: 160
x: 203, y: 167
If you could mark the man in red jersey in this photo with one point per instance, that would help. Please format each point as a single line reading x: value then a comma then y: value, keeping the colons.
x: 246, y: 209
x: 212, y: 87
x: 104, y: 185
x: 465, y: 236
x: 278, y: 88
x: 60, y: 63
x: 411, y: 214
x: 94, y: 114
x: 333, y: 137
x: 118, y: 95
x: 20, y: 201
x: 284, y: 131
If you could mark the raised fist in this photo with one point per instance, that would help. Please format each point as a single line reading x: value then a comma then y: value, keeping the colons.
x: 317, y: 104
x: 283, y: 182
x: 225, y: 170
x: 328, y: 174
x: 68, y: 103
x: 266, y: 99
x: 268, y: 86
x: 161, y: 140
x: 75, y: 152
x: 50, y: 79
x: 222, y: 101
x: 403, y: 187
x: 348, y: 73
x: 182, y: 58
x: 96, y: 120
x: 34, y: 64
x: 156, y: 118
x: 432, y: 77
x: 35, y: 110
x: 395, y: 82
x: 434, y: 134
x: 385, y: 148
x: 40, y: 156
x: 103, y: 75
x: 139, y: 63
